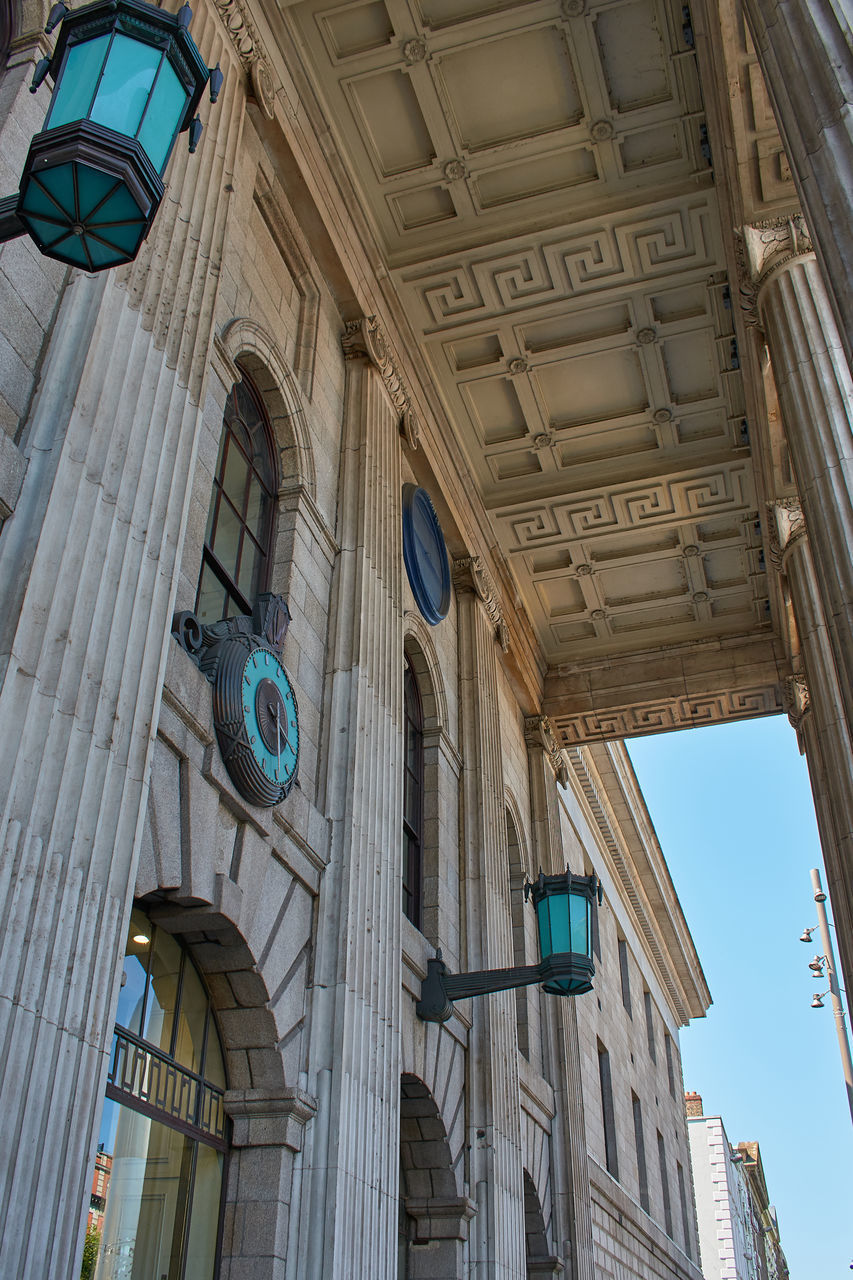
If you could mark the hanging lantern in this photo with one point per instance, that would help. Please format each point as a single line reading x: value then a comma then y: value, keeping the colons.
x: 564, y: 914
x: 128, y: 79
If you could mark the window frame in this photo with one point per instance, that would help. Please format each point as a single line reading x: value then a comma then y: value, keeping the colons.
x: 230, y: 438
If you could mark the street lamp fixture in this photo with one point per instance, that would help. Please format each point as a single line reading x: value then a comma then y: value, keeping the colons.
x: 564, y: 906
x: 127, y: 80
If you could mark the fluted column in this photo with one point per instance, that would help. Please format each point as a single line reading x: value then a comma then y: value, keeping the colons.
x: 87, y: 567
x: 547, y: 766
x: 818, y: 712
x: 804, y: 48
x: 348, y: 1226
x: 494, y: 1115
x: 815, y: 390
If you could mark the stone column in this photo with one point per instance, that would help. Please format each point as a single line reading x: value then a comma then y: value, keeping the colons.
x: 804, y: 48
x: 815, y: 388
x: 547, y: 766
x: 818, y: 716
x: 352, y: 1158
x: 87, y: 569
x: 494, y: 1115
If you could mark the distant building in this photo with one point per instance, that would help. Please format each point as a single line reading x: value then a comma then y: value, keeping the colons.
x: 738, y: 1229
x: 100, y: 1186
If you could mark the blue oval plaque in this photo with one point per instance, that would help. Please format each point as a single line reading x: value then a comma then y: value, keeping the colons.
x: 425, y: 555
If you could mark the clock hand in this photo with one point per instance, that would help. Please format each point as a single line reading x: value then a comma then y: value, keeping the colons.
x: 277, y: 741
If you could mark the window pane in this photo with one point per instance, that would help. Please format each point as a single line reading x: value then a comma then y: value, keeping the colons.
x: 204, y: 1216
x: 162, y: 991
x: 211, y: 597
x: 250, y: 560
x: 134, y: 971
x: 235, y: 474
x: 192, y: 1016
x: 226, y: 539
x: 147, y: 1195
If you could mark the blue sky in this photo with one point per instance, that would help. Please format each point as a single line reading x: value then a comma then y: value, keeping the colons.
x: 734, y: 815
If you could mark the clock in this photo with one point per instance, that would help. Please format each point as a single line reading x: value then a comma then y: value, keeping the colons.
x: 255, y: 715
x: 425, y: 555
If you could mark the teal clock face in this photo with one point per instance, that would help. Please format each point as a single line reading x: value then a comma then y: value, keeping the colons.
x: 270, y: 717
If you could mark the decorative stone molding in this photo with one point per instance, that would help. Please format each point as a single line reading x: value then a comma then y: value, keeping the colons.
x: 786, y: 526
x: 470, y: 574
x: 269, y: 1118
x: 517, y: 365
x: 414, y: 51
x: 539, y: 732
x: 646, y: 337
x: 601, y: 131
x: 364, y: 340
x: 244, y: 36
x: 796, y: 699
x: 455, y: 170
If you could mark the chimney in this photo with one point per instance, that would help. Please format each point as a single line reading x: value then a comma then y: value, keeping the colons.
x: 693, y: 1104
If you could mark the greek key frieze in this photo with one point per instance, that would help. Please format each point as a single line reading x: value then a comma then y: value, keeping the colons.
x: 674, y: 713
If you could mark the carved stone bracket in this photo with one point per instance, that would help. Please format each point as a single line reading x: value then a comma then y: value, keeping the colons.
x: 364, y: 339
x: 440, y: 1217
x: 244, y: 36
x: 470, y: 574
x: 786, y: 526
x: 539, y: 732
x: 796, y: 699
x: 269, y: 1117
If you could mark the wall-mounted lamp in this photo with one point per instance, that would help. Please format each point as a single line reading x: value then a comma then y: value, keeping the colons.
x: 564, y: 907
x: 127, y: 80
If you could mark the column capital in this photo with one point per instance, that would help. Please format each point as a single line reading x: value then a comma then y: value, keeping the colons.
x: 796, y: 699
x: 440, y: 1217
x: 364, y: 339
x: 786, y: 525
x: 539, y: 734
x: 763, y: 248
x: 471, y: 575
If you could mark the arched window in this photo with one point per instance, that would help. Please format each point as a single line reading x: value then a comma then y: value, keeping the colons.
x: 236, y: 559
x: 413, y: 792
x: 156, y: 1199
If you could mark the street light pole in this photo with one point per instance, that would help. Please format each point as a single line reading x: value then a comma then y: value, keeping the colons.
x: 834, y: 991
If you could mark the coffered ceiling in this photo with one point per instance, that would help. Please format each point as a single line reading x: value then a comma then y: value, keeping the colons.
x: 540, y: 179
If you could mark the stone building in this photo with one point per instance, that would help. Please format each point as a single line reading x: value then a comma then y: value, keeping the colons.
x: 738, y: 1229
x: 549, y: 264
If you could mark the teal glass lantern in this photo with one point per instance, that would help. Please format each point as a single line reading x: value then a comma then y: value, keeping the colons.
x: 564, y: 914
x: 128, y: 79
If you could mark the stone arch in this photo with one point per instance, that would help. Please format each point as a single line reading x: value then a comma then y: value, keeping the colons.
x: 433, y: 1216
x: 420, y: 649
x: 246, y: 344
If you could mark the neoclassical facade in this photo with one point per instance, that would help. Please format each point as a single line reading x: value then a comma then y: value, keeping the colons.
x: 576, y: 272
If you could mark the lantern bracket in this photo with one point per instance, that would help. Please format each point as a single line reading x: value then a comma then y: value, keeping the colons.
x: 441, y: 987
x: 11, y: 225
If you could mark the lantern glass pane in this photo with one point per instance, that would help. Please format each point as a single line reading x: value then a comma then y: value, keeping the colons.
x: 92, y: 187
x: 165, y: 110
x: 561, y: 938
x: 47, y: 232
x: 73, y: 94
x: 71, y: 249
x: 59, y: 183
x: 125, y: 85
x: 579, y: 908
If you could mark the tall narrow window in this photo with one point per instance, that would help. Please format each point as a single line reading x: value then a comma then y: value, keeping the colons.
x: 413, y: 791
x: 236, y: 558
x: 607, y: 1114
x: 640, y: 1144
x: 650, y: 1026
x: 624, y: 974
x: 664, y: 1182
x: 685, y: 1219
x: 670, y: 1066
x: 157, y: 1194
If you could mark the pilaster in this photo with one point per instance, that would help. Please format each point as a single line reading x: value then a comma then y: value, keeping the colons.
x: 823, y: 731
x: 494, y: 1117
x: 547, y: 767
x: 804, y: 48
x: 815, y: 388
x: 351, y: 1167
x: 110, y: 445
